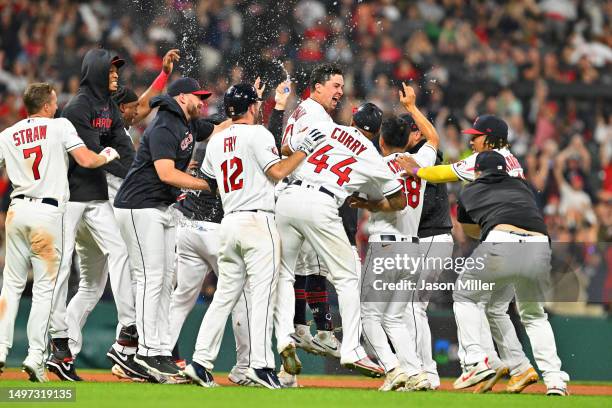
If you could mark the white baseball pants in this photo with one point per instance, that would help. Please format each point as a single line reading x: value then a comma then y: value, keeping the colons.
x: 150, y: 236
x: 529, y: 271
x: 33, y: 238
x: 307, y: 215
x: 434, y: 247
x: 197, y: 246
x: 99, y: 219
x: 383, y: 312
x: 249, y: 255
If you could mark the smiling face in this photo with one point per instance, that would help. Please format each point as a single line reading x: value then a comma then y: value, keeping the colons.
x: 113, y: 78
x: 129, y: 112
x: 194, y: 105
x: 329, y: 93
x: 478, y: 144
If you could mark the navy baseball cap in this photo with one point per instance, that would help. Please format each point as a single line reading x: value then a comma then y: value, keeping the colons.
x: 118, y: 62
x: 410, y: 121
x: 488, y: 125
x: 491, y: 162
x: 187, y: 85
x: 368, y: 117
x: 124, y: 95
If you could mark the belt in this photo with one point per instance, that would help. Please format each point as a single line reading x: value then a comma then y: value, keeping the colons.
x: 253, y: 211
x: 393, y: 238
x: 519, y: 236
x: 50, y: 201
x: 321, y: 189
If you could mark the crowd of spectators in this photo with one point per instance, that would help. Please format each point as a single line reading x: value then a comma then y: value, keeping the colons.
x: 544, y: 66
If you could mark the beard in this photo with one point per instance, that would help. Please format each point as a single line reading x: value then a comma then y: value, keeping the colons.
x: 194, y: 111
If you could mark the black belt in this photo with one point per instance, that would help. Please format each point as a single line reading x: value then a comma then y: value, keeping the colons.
x: 50, y: 201
x: 321, y: 189
x: 393, y: 238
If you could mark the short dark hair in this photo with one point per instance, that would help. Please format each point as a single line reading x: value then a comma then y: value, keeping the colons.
x: 322, y: 73
x: 36, y: 95
x: 395, y: 132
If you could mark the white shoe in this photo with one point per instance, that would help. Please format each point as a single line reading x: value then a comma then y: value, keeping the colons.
x: 474, y: 374
x: 303, y: 338
x: 558, y: 390
x: 287, y: 380
x: 238, y: 376
x: 366, y: 367
x: 3, y: 354
x: 417, y: 382
x: 36, y: 371
x: 326, y: 343
x: 394, y: 379
x: 434, y: 381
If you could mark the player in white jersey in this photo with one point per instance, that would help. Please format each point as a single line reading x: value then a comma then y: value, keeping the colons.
x: 307, y: 211
x: 35, y: 153
x: 394, y: 234
x: 489, y: 133
x: 244, y: 162
x: 326, y: 89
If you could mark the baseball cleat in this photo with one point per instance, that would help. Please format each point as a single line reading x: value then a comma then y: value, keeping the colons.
x: 162, y: 365
x: 488, y: 385
x: 394, y: 379
x: 474, y: 374
x: 366, y: 367
x: 200, y: 375
x: 264, y: 376
x: 63, y: 369
x: 118, y: 372
x: 417, y: 382
x: 559, y: 390
x: 180, y: 363
x: 326, y: 343
x: 129, y: 367
x: 303, y: 338
x: 287, y: 380
x: 434, y: 381
x: 522, y: 380
x: 35, y: 371
x: 238, y: 376
x: 291, y: 362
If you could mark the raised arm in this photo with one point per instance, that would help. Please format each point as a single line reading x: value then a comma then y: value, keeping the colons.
x: 157, y: 86
x: 408, y: 100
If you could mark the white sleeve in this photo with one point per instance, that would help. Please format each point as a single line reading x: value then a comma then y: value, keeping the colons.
x: 464, y: 169
x: 70, y: 138
x: 264, y: 149
x: 383, y: 176
x: 426, y: 156
x: 207, y: 167
x: 297, y: 137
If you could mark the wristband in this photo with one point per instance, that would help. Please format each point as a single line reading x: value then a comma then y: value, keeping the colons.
x: 415, y: 170
x: 160, y: 82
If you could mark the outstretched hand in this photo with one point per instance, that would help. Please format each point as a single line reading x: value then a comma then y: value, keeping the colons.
x: 170, y: 58
x: 283, y: 90
x: 407, y: 96
x: 259, y: 87
x: 408, y: 164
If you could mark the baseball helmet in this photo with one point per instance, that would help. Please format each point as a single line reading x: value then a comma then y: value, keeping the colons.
x: 368, y: 117
x: 238, y: 98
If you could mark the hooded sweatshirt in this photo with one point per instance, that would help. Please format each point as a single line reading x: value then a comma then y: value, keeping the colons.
x: 498, y: 198
x: 169, y: 136
x: 98, y: 122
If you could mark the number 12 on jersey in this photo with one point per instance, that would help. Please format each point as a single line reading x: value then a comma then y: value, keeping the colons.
x: 231, y: 182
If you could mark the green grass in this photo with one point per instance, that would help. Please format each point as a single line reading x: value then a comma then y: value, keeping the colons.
x: 118, y: 395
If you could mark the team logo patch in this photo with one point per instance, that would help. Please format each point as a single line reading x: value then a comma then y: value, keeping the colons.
x: 186, y: 142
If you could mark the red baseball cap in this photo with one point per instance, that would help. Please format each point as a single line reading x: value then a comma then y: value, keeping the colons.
x: 488, y: 125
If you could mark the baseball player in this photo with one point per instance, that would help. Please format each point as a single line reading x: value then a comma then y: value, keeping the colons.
x: 489, y: 133
x: 35, y: 153
x: 307, y: 210
x: 436, y: 242
x: 98, y: 122
x: 243, y: 160
x: 383, y: 316
x: 93, y: 266
x: 147, y: 220
x: 198, y: 246
x: 501, y: 211
x: 326, y: 90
